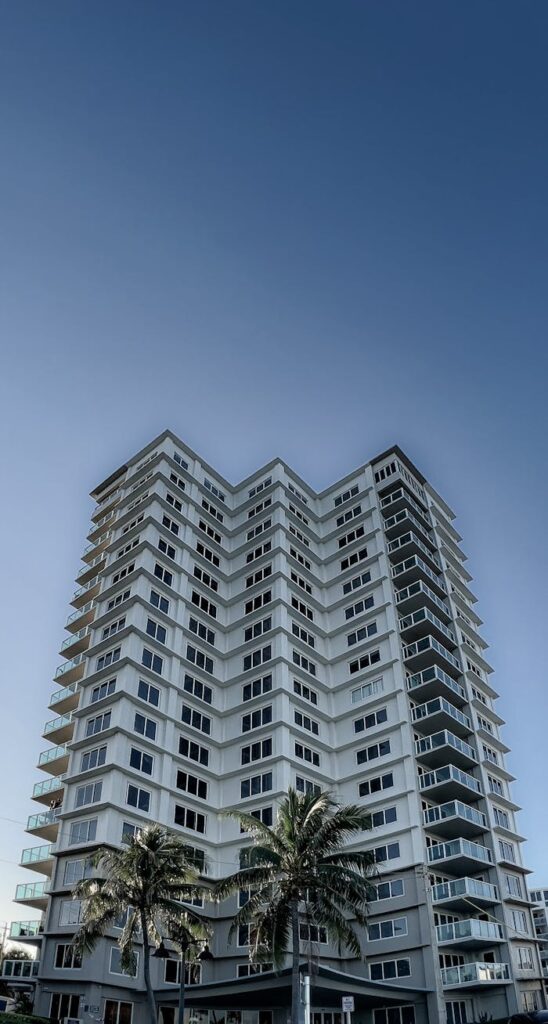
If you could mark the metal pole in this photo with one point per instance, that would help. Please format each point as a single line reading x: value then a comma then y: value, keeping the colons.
x: 306, y: 998
x: 181, y: 1013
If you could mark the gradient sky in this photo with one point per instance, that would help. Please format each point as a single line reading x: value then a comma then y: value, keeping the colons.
x: 303, y: 229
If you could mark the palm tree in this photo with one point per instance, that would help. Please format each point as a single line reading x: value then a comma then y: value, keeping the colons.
x: 301, y: 861
x: 145, y: 881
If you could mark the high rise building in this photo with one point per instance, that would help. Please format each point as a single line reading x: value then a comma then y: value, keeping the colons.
x: 228, y: 642
x: 540, y: 919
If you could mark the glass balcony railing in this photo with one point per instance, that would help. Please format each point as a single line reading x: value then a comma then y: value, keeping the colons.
x: 57, y: 723
x: 452, y: 809
x: 53, y: 754
x: 429, y: 643
x: 419, y: 589
x: 459, y: 848
x: 405, y: 516
x: 25, y: 929
x: 108, y: 500
x: 414, y: 562
x: 36, y: 854
x: 474, y: 974
x: 20, y: 968
x: 69, y: 641
x: 31, y: 890
x: 90, y: 565
x: 439, y: 705
x: 446, y: 774
x: 411, y: 538
x: 434, y: 674
x: 400, y: 495
x: 63, y: 694
x: 80, y: 612
x: 87, y: 586
x: 47, y: 786
x: 470, y: 929
x: 50, y: 817
x: 465, y: 888
x: 444, y: 739
x: 425, y: 615
x: 68, y: 666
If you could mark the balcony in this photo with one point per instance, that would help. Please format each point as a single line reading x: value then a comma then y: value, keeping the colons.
x: 422, y: 621
x: 26, y: 930
x: 35, y: 894
x: 45, y: 824
x: 76, y: 643
x: 90, y: 569
x: 401, y: 499
x: 85, y: 593
x: 407, y: 572
x: 469, y: 934
x: 49, y: 789
x: 81, y: 617
x: 60, y: 728
x: 106, y: 504
x: 420, y: 654
x: 18, y: 970
x: 435, y: 750
x: 475, y: 975
x: 465, y: 894
x: 54, y: 760
x: 432, y: 682
x: 65, y: 699
x: 454, y: 819
x: 450, y: 783
x: 93, y: 549
x: 404, y: 522
x: 416, y: 595
x: 439, y: 714
x: 410, y: 544
x: 460, y: 856
x: 38, y: 858
x: 71, y: 671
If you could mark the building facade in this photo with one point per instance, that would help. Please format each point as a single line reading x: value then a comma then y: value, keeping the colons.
x: 540, y: 919
x: 228, y: 642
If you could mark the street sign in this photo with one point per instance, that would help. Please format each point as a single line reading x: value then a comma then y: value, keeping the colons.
x: 348, y: 1004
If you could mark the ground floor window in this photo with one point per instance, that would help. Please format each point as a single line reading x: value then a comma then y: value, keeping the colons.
x: 394, y: 1015
x: 326, y: 1018
x: 63, y: 1004
x: 530, y: 1001
x: 456, y: 1012
x: 117, y: 1012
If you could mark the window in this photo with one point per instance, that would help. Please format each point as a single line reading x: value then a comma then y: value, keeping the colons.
x: 392, y: 928
x: 204, y: 604
x: 188, y: 748
x: 212, y: 510
x: 200, y: 659
x: 350, y: 513
x: 89, y: 794
x: 512, y: 884
x: 141, y: 761
x: 304, y: 722
x: 455, y: 1010
x: 363, y: 633
x: 205, y: 578
x: 258, y: 529
x: 103, y: 690
x: 301, y: 583
x: 356, y: 583
x: 76, y: 870
x: 519, y: 920
x: 384, y: 970
x: 201, y: 630
x: 259, y: 487
x: 208, y: 554
x: 352, y: 536
x: 386, y: 816
x: 129, y: 830
x: 167, y: 549
x: 388, y: 852
x: 264, y: 814
x: 304, y: 691
x: 192, y: 784
x: 70, y: 912
x: 107, y: 659
x: 300, y: 536
x: 172, y: 973
x: 353, y: 559
x: 396, y: 1015
x: 65, y: 1004
x: 170, y: 498
x: 255, y: 785
x: 188, y: 818
x: 366, y: 660
x: 303, y: 785
x: 371, y: 753
x: 485, y: 725
x: 198, y: 689
x: 256, y: 751
x: 148, y: 692
x: 259, y: 508
x: 257, y: 688
x: 97, y: 724
x: 209, y: 531
x: 171, y: 525
x: 82, y: 831
x: 531, y: 1001
x: 359, y: 607
x: 214, y: 490
x: 159, y: 601
x: 351, y: 492
x: 524, y: 958
x: 179, y: 460
x: 300, y: 558
x: 388, y: 890
x: 371, y: 689
x: 118, y: 600
x: 196, y: 719
x: 507, y: 851
x: 302, y: 634
x: 312, y: 933
x: 258, y: 657
x: 122, y: 573
x: 113, y: 627
x: 152, y: 661
x: 145, y: 726
x: 307, y: 754
x: 66, y: 957
x: 116, y: 967
x: 369, y: 721
x: 127, y: 548
x: 93, y: 758
x: 304, y: 663
x: 255, y: 719
x: 303, y: 608
x: 248, y: 970
x: 163, y: 574
x: 376, y: 785
x: 139, y: 798
x: 263, y: 549
x: 157, y: 632
x: 258, y: 602
x: 495, y: 785
x: 298, y: 494
x: 257, y: 629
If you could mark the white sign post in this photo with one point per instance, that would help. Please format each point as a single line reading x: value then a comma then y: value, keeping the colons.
x: 348, y: 1008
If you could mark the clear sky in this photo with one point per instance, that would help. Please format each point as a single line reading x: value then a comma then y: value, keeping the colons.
x: 303, y: 229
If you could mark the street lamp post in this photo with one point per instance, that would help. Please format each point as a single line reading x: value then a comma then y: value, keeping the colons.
x: 163, y: 954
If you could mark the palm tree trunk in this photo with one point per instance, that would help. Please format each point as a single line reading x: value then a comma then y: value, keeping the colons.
x: 295, y: 977
x: 182, y: 980
x: 153, y: 1014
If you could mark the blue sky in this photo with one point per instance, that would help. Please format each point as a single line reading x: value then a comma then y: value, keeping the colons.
x: 296, y: 229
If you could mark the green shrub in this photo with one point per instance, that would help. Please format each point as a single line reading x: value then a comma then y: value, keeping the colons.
x: 22, y: 1018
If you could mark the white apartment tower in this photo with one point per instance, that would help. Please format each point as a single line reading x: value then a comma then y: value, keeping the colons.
x: 228, y: 642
